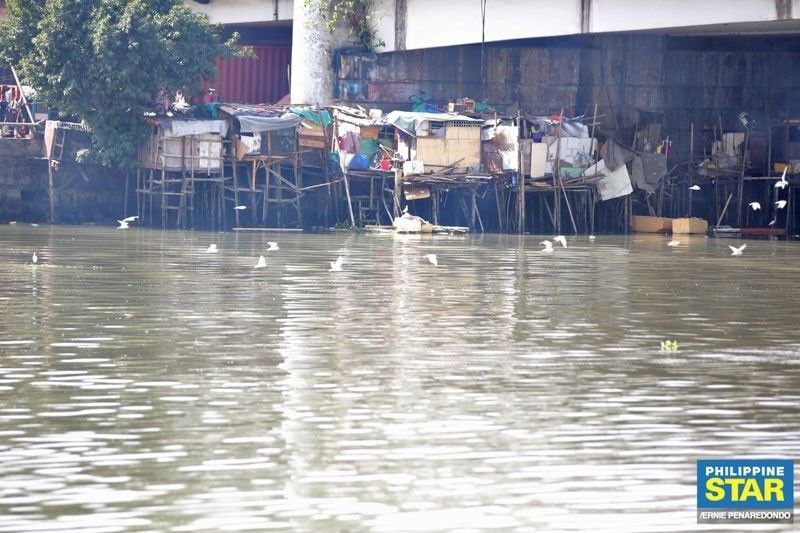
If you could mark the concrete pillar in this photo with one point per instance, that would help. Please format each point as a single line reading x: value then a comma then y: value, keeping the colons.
x: 312, y: 44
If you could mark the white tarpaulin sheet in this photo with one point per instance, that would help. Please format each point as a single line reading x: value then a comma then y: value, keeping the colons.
x: 182, y: 128
x: 259, y: 124
x: 411, y: 122
x: 505, y: 138
x: 574, y: 150
x: 614, y: 183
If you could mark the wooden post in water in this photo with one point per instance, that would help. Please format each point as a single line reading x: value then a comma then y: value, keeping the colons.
x: 557, y: 175
x: 691, y: 166
x: 741, y: 177
x: 349, y: 200
x: 398, y: 192
x: 520, y: 186
x: 51, y: 191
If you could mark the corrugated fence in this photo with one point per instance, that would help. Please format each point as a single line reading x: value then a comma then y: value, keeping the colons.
x: 260, y: 80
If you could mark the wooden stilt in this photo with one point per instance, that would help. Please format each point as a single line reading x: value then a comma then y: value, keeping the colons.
x: 125, y: 194
x: 498, y: 203
x: 741, y: 177
x: 520, y: 188
x: 235, y: 192
x: 691, y: 166
x: 398, y: 192
x: 346, y: 179
x: 51, y: 191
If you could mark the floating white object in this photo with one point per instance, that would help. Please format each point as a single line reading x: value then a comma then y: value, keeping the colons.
x: 240, y: 207
x: 755, y: 205
x: 212, y: 249
x: 35, y: 258
x: 273, y: 246
x: 548, y: 247
x: 592, y: 237
x: 336, y: 266
x: 737, y: 251
x: 781, y: 204
x: 694, y: 188
x: 561, y: 239
x: 262, y: 262
x: 432, y: 259
x: 673, y: 243
x: 772, y: 222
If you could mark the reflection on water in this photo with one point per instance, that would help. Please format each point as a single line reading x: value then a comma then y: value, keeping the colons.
x: 146, y: 385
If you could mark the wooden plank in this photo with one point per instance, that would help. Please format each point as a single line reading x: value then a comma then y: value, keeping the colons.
x: 270, y: 230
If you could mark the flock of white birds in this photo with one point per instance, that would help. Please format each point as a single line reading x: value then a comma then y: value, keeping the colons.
x: 336, y: 266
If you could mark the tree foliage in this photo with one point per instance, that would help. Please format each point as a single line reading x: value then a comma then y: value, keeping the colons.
x: 106, y: 60
x: 356, y: 15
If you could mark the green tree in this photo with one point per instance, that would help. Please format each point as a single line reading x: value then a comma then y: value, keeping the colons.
x: 106, y: 60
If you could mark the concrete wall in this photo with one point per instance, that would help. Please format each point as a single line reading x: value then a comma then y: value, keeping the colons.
x: 24, y: 193
x: 244, y: 11
x: 635, y: 15
x: 689, y: 80
x: 427, y: 23
x: 449, y: 22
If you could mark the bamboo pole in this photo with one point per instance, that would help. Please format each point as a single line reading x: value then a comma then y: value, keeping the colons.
x: 741, y: 177
x: 21, y: 93
x: 691, y: 166
x: 520, y: 186
x: 52, y: 191
x: 349, y: 200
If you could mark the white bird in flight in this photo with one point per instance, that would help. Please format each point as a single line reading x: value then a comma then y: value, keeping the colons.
x: 432, y: 259
x: 273, y: 246
x: 240, y: 207
x: 782, y: 183
x: 35, y: 258
x: 673, y: 243
x: 737, y: 251
x: 561, y: 239
x: 755, y: 205
x: 781, y: 204
x: 694, y: 188
x: 262, y: 262
x: 129, y: 219
x: 548, y: 247
x: 336, y: 266
x: 122, y: 224
x: 212, y: 249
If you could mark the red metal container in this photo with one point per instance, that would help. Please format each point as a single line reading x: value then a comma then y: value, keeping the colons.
x: 260, y: 80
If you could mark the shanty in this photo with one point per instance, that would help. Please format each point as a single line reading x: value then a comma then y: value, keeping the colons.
x: 399, y: 265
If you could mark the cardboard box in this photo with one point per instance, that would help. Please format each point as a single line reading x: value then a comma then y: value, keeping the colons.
x: 460, y: 145
x: 689, y: 226
x: 644, y: 224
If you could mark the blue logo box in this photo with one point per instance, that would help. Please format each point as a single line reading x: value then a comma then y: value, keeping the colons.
x: 763, y: 484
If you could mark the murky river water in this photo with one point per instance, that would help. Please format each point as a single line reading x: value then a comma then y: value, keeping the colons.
x: 147, y: 385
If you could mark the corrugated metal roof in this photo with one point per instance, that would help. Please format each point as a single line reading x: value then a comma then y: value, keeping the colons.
x: 260, y: 80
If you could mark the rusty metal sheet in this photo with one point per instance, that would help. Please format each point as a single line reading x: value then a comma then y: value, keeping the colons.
x: 260, y: 80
